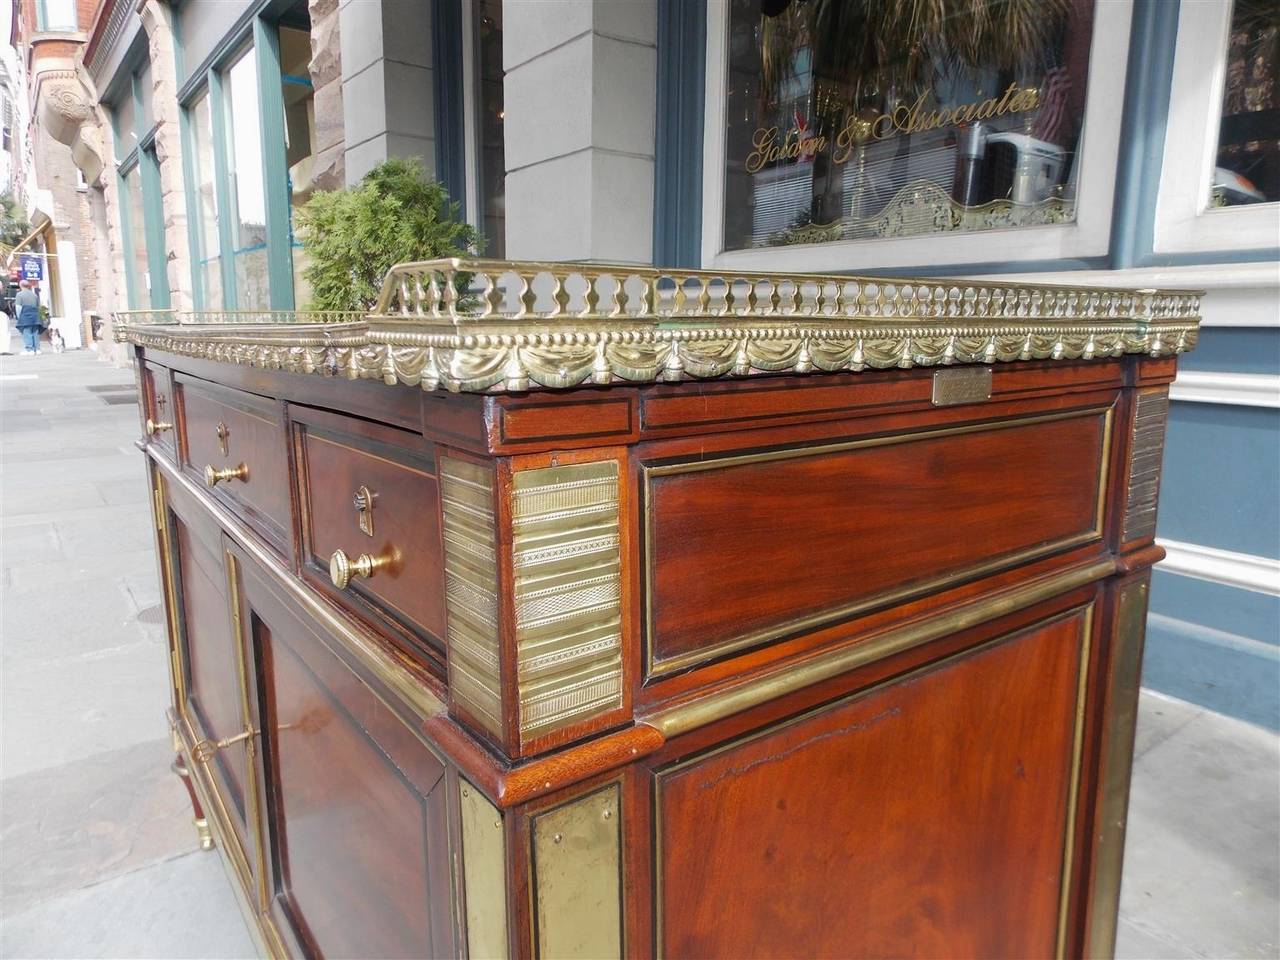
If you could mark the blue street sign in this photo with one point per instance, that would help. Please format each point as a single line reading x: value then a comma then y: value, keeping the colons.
x: 32, y: 267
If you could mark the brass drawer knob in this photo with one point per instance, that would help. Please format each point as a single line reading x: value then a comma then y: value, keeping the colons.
x: 213, y: 477
x: 157, y: 427
x: 342, y: 568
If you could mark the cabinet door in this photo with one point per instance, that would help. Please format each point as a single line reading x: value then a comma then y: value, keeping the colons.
x: 357, y: 858
x: 213, y: 702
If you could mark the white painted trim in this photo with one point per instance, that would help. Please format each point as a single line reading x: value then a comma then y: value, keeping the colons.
x: 1237, y: 389
x: 1184, y: 222
x: 1089, y: 236
x: 1242, y: 570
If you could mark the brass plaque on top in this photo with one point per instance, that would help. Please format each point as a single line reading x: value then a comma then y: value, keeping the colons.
x: 961, y: 385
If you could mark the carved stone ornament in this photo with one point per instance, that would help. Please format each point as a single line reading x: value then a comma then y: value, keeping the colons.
x: 495, y: 326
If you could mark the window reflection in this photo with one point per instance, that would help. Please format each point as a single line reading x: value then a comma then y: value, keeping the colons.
x: 1248, y: 160
x: 140, y: 288
x: 248, y: 198
x: 300, y: 137
x: 856, y: 120
x: 206, y: 209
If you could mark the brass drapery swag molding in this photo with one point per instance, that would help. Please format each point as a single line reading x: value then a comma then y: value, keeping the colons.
x: 495, y: 326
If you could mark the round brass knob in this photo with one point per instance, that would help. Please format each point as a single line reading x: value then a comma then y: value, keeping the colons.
x: 157, y: 427
x: 213, y: 476
x: 342, y: 568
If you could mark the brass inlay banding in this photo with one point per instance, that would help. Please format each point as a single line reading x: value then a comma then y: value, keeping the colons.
x: 568, y: 594
x: 1146, y: 452
x: 471, y: 589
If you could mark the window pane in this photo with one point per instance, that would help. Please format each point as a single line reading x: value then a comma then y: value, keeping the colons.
x: 59, y: 15
x: 140, y: 287
x: 492, y: 173
x: 300, y: 139
x: 1248, y: 163
x: 844, y: 125
x: 145, y: 96
x: 206, y: 211
x: 249, y: 213
x: 123, y: 115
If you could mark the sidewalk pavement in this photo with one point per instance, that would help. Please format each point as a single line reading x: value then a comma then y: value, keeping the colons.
x: 98, y: 857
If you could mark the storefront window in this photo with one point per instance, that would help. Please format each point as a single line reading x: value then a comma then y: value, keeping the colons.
x: 139, y: 269
x: 145, y: 97
x: 854, y: 121
x: 206, y: 202
x: 248, y: 198
x: 56, y: 15
x: 1248, y: 160
x: 492, y: 165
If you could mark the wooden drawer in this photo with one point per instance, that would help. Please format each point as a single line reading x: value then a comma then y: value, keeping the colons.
x: 344, y: 463
x: 158, y: 409
x: 234, y: 442
x: 745, y: 548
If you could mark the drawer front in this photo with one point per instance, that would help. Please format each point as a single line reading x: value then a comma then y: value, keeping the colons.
x: 944, y: 803
x: 236, y: 439
x: 802, y: 537
x: 160, y: 416
x: 372, y: 492
x: 356, y: 822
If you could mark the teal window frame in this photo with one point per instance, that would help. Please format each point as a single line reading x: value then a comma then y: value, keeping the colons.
x: 136, y: 148
x: 260, y: 34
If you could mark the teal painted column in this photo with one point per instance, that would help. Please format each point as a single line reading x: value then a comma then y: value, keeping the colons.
x: 153, y: 215
x: 222, y: 190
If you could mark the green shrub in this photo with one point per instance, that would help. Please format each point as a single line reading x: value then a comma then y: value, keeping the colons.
x: 354, y: 236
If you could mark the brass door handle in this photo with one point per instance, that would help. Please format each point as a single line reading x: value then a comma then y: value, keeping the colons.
x: 203, y: 750
x: 342, y: 568
x: 212, y: 476
x: 157, y: 427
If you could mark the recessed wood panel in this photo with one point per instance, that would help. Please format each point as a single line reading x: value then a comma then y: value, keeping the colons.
x: 744, y: 549
x: 209, y: 655
x: 926, y: 818
x: 358, y: 837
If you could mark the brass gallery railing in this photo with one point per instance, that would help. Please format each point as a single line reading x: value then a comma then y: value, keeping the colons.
x: 487, y: 325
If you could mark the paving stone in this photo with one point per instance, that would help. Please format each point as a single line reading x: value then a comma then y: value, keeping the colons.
x: 176, y: 909
x: 78, y: 824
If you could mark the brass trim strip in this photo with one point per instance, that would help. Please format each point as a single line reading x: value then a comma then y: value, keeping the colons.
x: 484, y: 864
x: 789, y: 677
x: 409, y: 690
x: 660, y: 668
x: 1073, y: 790
x: 1116, y: 768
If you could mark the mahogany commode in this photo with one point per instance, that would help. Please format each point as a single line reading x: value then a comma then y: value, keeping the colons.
x: 568, y: 611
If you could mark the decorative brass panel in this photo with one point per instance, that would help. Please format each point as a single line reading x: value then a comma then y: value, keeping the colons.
x: 484, y: 861
x: 568, y: 594
x: 471, y: 589
x: 496, y: 325
x: 961, y: 385
x: 1146, y: 452
x: 1116, y: 767
x: 577, y: 878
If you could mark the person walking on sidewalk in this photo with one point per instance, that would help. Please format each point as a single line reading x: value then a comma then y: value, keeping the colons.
x: 27, y: 306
